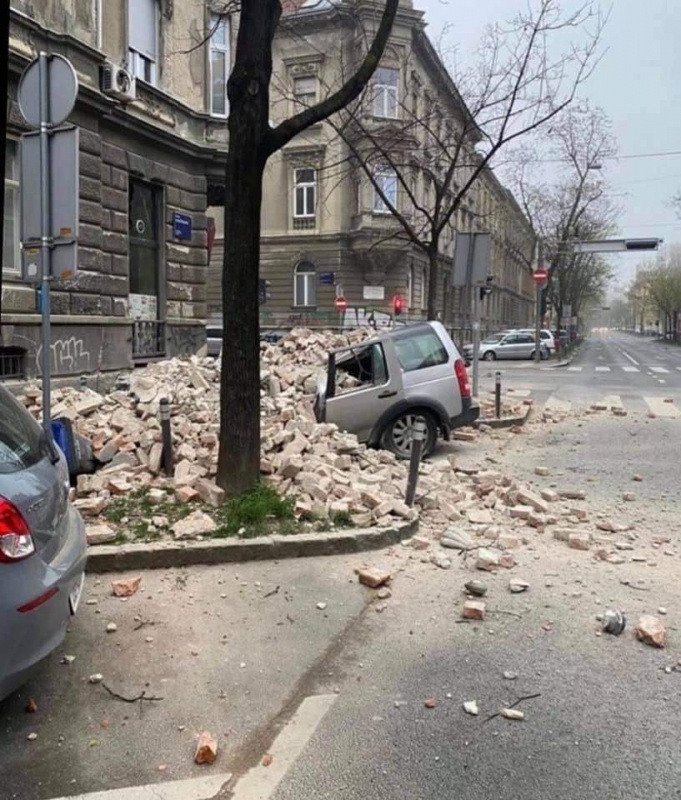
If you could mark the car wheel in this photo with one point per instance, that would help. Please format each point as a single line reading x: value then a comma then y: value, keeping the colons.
x: 397, y: 436
x: 490, y: 355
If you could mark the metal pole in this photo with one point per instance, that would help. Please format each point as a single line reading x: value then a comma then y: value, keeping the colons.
x: 497, y: 394
x: 476, y: 314
x: 537, y: 329
x: 45, y: 239
x: 417, y: 437
x: 166, y: 436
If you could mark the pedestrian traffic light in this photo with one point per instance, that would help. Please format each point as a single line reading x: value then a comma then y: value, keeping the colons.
x: 487, y: 288
x: 263, y: 294
x: 398, y: 304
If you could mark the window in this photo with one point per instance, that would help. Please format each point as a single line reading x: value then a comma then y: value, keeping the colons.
x: 21, y: 441
x: 386, y: 179
x: 304, y: 197
x: 359, y: 368
x: 10, y: 239
x: 424, y: 288
x: 386, y: 92
x: 420, y: 350
x: 143, y: 39
x: 410, y: 287
x: 99, y: 10
x: 219, y: 64
x: 305, y: 90
x: 305, y: 285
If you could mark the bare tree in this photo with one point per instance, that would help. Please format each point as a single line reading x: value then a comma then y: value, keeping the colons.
x: 527, y: 74
x: 560, y: 184
x: 252, y: 140
x: 662, y: 281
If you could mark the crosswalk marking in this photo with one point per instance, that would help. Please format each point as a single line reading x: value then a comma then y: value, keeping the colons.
x: 631, y: 369
x: 661, y: 370
x: 602, y: 369
x: 634, y: 404
x: 661, y: 408
x: 579, y: 369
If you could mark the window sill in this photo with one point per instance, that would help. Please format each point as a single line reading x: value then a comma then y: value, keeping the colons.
x: 303, y: 308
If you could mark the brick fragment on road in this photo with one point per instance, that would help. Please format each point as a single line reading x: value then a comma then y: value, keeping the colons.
x: 471, y: 707
x: 126, y: 587
x: 206, y: 748
x: 542, y: 471
x: 579, y: 541
x: 628, y: 497
x: 549, y: 495
x: 373, y: 578
x: 195, y: 524
x: 507, y: 541
x: 99, y: 534
x: 573, y: 494
x: 464, y: 436
x: 651, y: 631
x: 487, y: 560
x: 528, y: 498
x: 513, y: 714
x: 473, y: 610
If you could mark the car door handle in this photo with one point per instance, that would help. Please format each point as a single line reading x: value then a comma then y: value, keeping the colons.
x: 383, y: 395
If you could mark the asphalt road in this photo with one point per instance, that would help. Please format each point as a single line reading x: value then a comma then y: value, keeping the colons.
x: 639, y: 371
x: 605, y: 724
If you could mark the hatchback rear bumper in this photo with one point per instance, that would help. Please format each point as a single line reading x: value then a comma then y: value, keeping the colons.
x: 31, y: 636
x: 468, y: 415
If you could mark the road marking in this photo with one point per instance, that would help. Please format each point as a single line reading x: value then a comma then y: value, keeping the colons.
x: 661, y: 409
x: 579, y: 369
x: 261, y: 782
x: 602, y: 369
x: 191, y: 789
x: 661, y: 370
x: 633, y: 360
x: 559, y: 406
x: 613, y: 401
x: 631, y: 369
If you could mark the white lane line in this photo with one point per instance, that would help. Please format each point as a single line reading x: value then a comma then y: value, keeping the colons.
x: 631, y: 369
x: 559, y: 406
x: 661, y: 370
x: 613, y: 401
x: 191, y: 789
x: 602, y: 369
x: 633, y: 360
x: 579, y: 369
x: 661, y: 409
x: 261, y: 782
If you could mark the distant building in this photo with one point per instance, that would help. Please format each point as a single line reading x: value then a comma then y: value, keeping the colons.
x: 326, y: 228
x: 151, y: 110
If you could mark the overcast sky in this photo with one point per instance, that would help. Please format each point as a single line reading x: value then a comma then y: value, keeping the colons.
x: 637, y: 83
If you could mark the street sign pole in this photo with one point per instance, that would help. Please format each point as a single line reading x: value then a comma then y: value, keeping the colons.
x: 45, y: 240
x: 476, y: 315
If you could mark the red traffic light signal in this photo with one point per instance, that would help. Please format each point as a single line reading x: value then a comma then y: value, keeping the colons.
x: 398, y: 304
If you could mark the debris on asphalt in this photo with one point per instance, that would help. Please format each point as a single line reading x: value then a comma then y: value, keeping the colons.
x: 456, y: 539
x: 488, y: 560
x: 111, y: 627
x: 267, y: 759
x: 441, y: 561
x: 509, y: 675
x: 126, y: 587
x: 31, y: 706
x: 513, y: 713
x: 321, y: 606
x: 68, y: 659
x: 614, y: 622
x: 517, y: 586
x: 431, y: 702
x: 471, y: 707
x: 373, y: 577
x: 651, y: 631
x: 384, y: 593
x: 32, y: 737
x: 476, y: 588
x: 206, y: 748
x: 474, y: 610
x: 97, y: 677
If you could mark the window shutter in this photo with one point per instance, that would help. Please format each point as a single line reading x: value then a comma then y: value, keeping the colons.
x: 143, y: 27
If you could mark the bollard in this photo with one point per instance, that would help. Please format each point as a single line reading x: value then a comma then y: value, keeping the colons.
x: 83, y: 383
x: 166, y: 437
x: 418, y: 435
x: 497, y: 394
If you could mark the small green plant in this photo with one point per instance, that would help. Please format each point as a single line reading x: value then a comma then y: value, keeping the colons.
x: 254, y: 511
x: 342, y: 519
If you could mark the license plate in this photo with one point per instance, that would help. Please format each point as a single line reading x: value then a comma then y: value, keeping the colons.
x: 74, y: 596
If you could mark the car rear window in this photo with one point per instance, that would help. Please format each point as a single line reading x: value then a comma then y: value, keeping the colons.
x: 21, y: 440
x: 420, y: 350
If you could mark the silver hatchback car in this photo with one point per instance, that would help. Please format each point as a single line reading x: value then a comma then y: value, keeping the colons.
x: 379, y: 388
x: 42, y: 545
x: 514, y: 344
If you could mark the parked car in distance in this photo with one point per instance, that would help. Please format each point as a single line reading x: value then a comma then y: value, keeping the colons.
x: 506, y: 346
x: 546, y: 336
x: 378, y: 389
x: 42, y: 545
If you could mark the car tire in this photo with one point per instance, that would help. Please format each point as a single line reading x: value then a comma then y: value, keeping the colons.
x: 396, y: 436
x: 490, y: 355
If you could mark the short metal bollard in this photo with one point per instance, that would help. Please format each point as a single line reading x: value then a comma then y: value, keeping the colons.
x: 166, y: 436
x: 417, y: 438
x: 497, y: 394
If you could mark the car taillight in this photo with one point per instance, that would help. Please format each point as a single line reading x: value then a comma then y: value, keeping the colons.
x: 16, y: 541
x: 462, y: 377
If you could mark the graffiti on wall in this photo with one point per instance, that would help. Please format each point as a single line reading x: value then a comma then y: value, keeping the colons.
x: 69, y: 356
x: 185, y: 340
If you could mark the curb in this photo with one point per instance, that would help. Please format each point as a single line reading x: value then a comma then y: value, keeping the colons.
x: 109, y: 558
x: 504, y: 422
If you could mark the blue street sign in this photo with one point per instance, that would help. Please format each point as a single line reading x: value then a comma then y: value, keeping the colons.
x: 327, y: 278
x: 182, y: 226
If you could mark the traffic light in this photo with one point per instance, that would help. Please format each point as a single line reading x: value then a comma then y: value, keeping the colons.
x: 398, y: 305
x: 487, y: 288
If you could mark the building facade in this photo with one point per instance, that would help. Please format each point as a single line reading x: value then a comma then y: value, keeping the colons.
x: 151, y: 112
x: 328, y: 221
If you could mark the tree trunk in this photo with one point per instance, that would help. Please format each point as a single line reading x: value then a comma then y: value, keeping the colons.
x: 239, y: 453
x: 433, y: 281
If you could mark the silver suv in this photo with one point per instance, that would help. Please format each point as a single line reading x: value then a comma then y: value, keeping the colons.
x: 378, y: 389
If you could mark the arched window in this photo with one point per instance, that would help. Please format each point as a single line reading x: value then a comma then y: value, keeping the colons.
x: 305, y: 284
